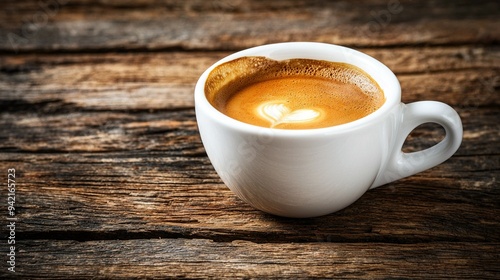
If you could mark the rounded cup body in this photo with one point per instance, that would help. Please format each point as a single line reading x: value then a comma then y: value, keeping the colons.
x: 302, y: 173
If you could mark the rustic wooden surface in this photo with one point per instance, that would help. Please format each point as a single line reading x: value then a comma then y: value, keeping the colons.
x: 97, y: 118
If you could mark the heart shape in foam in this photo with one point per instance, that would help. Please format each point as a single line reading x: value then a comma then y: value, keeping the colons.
x: 278, y: 113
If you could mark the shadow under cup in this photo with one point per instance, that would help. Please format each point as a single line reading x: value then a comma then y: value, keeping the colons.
x: 313, y: 172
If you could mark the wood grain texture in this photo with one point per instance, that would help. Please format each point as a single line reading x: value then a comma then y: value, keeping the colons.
x: 97, y: 117
x: 215, y: 25
x: 150, y: 195
x: 460, y: 76
x: 196, y: 258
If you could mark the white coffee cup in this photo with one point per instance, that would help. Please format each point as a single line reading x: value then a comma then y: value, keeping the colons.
x: 313, y: 172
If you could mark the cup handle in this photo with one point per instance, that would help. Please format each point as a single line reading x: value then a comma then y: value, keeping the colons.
x: 400, y: 164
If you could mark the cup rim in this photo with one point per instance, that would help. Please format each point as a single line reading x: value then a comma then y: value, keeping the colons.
x: 390, y: 85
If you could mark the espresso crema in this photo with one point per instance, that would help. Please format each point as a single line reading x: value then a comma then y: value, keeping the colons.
x: 292, y: 94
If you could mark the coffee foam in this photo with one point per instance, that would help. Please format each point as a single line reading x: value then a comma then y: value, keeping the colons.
x: 278, y: 113
x: 293, y: 94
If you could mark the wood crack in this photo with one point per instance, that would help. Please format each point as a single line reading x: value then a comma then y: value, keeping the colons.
x: 231, y: 236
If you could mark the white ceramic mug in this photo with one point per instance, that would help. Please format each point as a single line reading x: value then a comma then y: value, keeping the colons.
x: 313, y: 172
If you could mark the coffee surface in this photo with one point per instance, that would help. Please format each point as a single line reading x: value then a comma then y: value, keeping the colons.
x: 292, y: 94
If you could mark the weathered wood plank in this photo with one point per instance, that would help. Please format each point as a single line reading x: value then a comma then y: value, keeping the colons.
x: 175, y: 132
x: 94, y: 25
x: 404, y: 60
x: 184, y: 258
x: 460, y: 76
x: 145, y: 194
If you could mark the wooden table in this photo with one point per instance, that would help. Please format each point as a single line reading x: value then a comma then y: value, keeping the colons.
x: 112, y: 180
